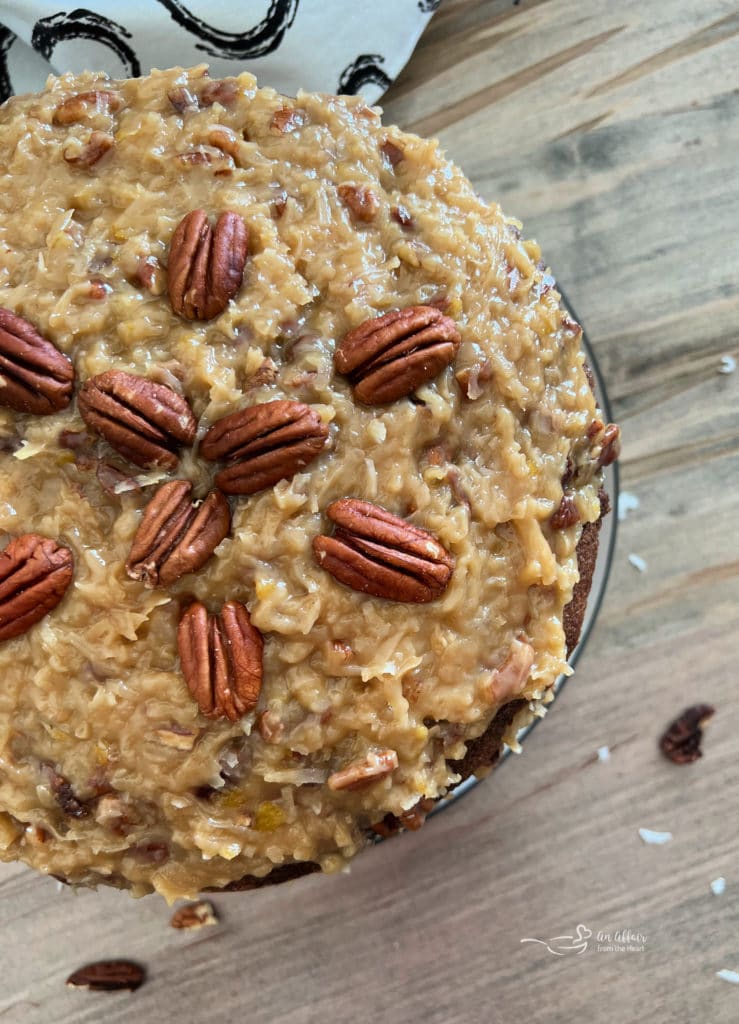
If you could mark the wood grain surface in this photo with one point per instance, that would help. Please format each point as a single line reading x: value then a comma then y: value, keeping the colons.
x: 612, y: 131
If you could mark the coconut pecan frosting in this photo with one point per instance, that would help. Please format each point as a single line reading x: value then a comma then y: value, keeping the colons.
x: 297, y: 449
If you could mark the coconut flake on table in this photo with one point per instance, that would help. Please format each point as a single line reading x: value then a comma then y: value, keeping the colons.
x: 604, y: 753
x: 728, y: 364
x: 627, y: 502
x: 731, y: 976
x: 718, y: 885
x: 638, y: 562
x: 653, y: 838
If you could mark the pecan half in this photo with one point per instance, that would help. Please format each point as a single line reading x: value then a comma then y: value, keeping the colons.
x: 144, y: 421
x: 361, y: 200
x: 221, y: 658
x: 108, y: 976
x: 390, y: 356
x: 34, y: 375
x: 206, y: 265
x: 377, y: 765
x: 91, y: 152
x: 681, y: 741
x: 265, y: 443
x: 34, y: 575
x: 175, y: 537
x: 83, y: 104
x: 378, y: 553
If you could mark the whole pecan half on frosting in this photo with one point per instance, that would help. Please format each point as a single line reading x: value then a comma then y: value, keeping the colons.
x: 378, y: 553
x: 206, y: 265
x: 34, y: 375
x: 389, y: 356
x: 34, y: 575
x: 175, y: 536
x: 264, y: 443
x: 145, y: 421
x: 221, y: 658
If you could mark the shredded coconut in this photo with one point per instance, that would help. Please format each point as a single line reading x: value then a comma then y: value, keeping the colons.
x: 604, y: 753
x: 654, y: 838
x: 728, y: 364
x: 718, y: 885
x: 638, y: 562
x: 730, y: 976
x: 627, y: 502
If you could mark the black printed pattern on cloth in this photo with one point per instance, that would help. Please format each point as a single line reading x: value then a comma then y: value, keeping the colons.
x: 286, y: 44
x: 82, y: 24
x: 6, y: 41
x: 366, y: 68
x: 254, y: 42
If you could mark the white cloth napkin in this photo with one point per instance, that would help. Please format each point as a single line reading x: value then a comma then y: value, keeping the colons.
x: 319, y: 45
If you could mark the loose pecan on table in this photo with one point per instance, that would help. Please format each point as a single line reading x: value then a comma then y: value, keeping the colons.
x: 389, y: 356
x: 194, y: 916
x: 144, y: 421
x: 34, y: 575
x: 221, y: 658
x: 206, y: 265
x: 175, y: 536
x: 34, y: 375
x: 108, y: 976
x: 681, y: 741
x: 264, y: 443
x: 378, y: 553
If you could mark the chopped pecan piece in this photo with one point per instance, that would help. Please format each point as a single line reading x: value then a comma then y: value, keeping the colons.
x: 144, y: 421
x: 64, y: 795
x: 194, y: 916
x: 287, y: 119
x: 108, y: 976
x: 361, y: 200
x: 566, y: 514
x: 471, y: 379
x: 393, y: 154
x: 221, y: 659
x: 389, y: 356
x: 183, y: 100
x: 175, y: 537
x: 509, y: 680
x: 378, y: 553
x: 681, y: 741
x: 377, y: 765
x: 149, y: 274
x: 271, y: 727
x: 264, y: 443
x: 91, y: 152
x: 34, y: 575
x: 83, y: 104
x: 610, y: 445
x: 219, y: 90
x: 34, y: 375
x: 402, y: 216
x: 206, y: 265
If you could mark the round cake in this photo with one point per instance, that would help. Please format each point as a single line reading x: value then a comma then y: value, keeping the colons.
x: 301, y: 481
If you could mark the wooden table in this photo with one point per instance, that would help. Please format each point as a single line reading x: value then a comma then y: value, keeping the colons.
x: 612, y: 130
